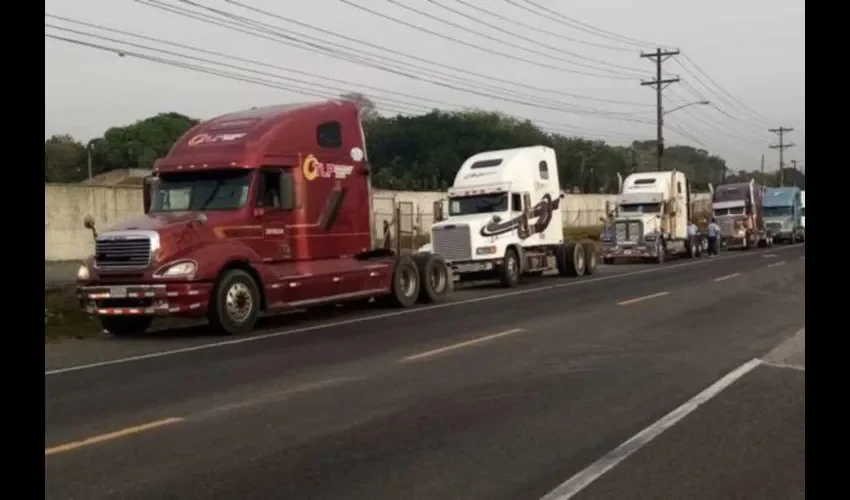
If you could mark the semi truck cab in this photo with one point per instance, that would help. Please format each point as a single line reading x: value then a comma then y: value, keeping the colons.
x: 257, y: 211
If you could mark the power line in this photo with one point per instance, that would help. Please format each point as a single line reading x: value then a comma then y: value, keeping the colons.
x: 509, y: 32
x: 363, y: 58
x: 609, y: 75
x: 721, y: 93
x: 659, y: 56
x: 395, y: 105
x: 541, y: 30
x: 579, y: 25
x: 476, y: 89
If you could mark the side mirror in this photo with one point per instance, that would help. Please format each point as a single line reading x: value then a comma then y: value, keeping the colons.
x: 148, y: 191
x: 88, y: 223
x: 438, y: 211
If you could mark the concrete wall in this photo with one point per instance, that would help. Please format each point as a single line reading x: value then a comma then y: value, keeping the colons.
x: 65, y: 206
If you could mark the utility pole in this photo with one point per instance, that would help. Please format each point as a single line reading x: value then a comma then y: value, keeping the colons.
x: 659, y: 56
x: 782, y: 146
x: 794, y: 169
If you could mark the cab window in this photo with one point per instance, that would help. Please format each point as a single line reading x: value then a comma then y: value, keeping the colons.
x: 277, y: 189
x: 329, y: 135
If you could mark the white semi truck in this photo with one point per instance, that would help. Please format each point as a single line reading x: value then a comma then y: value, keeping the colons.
x: 651, y: 219
x: 504, y: 219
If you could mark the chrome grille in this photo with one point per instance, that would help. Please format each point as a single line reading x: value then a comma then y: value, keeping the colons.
x: 774, y: 226
x: 727, y: 226
x: 122, y: 252
x: 628, y: 232
x: 452, y: 242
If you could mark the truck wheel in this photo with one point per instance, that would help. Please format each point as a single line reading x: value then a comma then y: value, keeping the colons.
x: 591, y: 257
x: 509, y: 274
x: 126, y: 326
x: 235, y: 303
x: 435, y: 276
x: 406, y: 283
x: 571, y: 260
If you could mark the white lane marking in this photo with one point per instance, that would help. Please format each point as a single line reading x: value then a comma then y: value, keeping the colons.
x: 727, y: 277
x: 784, y: 365
x: 461, y: 345
x: 776, y: 264
x: 768, y: 255
x: 641, y: 299
x: 578, y: 482
x: 351, y: 321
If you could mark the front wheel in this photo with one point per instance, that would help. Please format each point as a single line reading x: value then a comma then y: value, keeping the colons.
x: 509, y: 273
x: 126, y: 326
x: 235, y: 303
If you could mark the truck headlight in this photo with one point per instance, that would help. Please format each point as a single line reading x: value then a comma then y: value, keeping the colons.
x: 485, y: 250
x: 742, y: 232
x: 83, y: 273
x: 182, y: 268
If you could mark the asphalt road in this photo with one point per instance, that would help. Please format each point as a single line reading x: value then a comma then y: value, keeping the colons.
x: 497, y: 395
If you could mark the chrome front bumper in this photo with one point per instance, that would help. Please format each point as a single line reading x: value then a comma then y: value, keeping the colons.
x: 171, y: 299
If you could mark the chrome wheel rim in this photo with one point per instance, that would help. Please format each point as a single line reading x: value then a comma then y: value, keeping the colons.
x: 239, y: 303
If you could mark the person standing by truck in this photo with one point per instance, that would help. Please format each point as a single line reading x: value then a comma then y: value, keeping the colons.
x: 713, y: 235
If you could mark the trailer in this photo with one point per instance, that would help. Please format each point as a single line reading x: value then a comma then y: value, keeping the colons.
x: 504, y: 219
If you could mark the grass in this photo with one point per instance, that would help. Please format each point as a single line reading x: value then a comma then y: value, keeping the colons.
x: 63, y: 317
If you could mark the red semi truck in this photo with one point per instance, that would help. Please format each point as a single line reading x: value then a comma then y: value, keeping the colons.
x: 258, y: 211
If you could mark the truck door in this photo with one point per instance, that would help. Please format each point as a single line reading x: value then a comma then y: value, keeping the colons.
x: 273, y: 208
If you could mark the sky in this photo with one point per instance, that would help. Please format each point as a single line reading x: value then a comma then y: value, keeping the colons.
x: 570, y: 66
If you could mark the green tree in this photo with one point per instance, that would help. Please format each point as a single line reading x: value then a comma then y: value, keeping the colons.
x: 140, y: 144
x: 64, y: 159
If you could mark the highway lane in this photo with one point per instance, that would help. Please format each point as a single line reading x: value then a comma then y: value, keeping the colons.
x: 494, y: 403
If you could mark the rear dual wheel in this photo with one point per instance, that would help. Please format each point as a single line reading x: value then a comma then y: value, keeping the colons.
x: 571, y: 259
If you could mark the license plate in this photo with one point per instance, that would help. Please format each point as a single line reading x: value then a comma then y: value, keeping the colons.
x: 118, y: 292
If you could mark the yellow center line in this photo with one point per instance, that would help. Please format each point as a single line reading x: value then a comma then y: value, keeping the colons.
x: 110, y: 436
x: 460, y: 345
x: 641, y: 299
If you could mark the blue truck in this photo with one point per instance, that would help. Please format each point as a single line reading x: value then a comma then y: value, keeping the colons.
x: 783, y: 214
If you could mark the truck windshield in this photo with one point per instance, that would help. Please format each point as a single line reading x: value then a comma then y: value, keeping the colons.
x: 197, y: 191
x: 729, y: 211
x: 777, y: 211
x: 480, y: 204
x: 641, y: 208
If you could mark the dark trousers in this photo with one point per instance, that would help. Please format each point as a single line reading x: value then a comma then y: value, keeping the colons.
x: 712, y: 245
